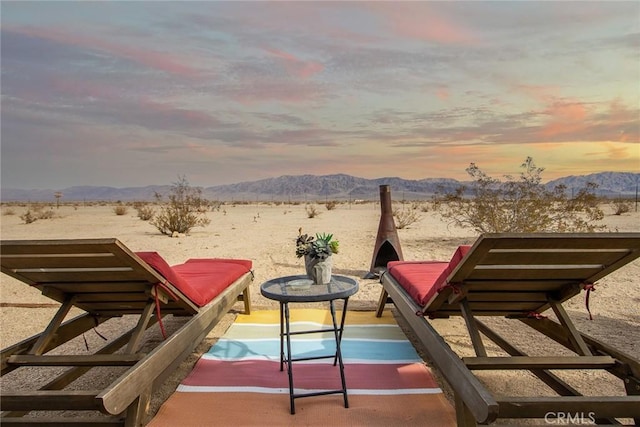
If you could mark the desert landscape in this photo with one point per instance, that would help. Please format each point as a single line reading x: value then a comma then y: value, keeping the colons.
x: 266, y: 232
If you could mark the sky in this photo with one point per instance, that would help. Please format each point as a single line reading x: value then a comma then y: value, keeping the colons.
x: 125, y: 93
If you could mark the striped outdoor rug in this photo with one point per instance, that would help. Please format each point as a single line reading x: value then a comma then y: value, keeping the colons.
x: 238, y: 381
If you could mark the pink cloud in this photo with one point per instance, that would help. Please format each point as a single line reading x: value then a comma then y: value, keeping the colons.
x: 83, y: 89
x: 422, y: 21
x: 153, y: 59
x: 443, y: 93
x: 259, y: 91
x: 564, y: 118
x: 296, y: 66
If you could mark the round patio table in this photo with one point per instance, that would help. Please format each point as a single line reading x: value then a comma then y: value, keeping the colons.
x: 301, y: 289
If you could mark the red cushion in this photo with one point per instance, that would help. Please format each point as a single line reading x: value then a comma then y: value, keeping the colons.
x: 417, y: 278
x: 209, y: 277
x: 201, y: 280
x: 160, y: 265
x: 423, y: 279
x: 245, y: 262
x: 455, y: 260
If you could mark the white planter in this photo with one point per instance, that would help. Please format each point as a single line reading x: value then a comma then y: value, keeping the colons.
x: 318, y: 270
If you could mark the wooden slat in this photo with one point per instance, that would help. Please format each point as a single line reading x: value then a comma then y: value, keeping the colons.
x: 529, y: 362
x: 479, y: 296
x: 99, y: 287
x: 63, y: 421
x: 86, y: 276
x: 17, y: 262
x: 552, y: 256
x: 509, y: 284
x: 508, y: 306
x: 523, y: 272
x: 113, y: 296
x: 59, y: 246
x: 49, y: 400
x: 76, y: 360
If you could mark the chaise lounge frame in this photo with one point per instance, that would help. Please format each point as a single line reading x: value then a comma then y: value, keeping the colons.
x: 519, y: 276
x: 106, y: 280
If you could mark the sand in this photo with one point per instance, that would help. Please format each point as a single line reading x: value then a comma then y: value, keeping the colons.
x: 265, y: 233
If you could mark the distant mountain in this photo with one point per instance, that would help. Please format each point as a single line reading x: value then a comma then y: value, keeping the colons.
x: 312, y: 187
x: 609, y: 183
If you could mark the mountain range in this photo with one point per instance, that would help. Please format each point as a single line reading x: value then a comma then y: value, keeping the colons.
x: 313, y: 187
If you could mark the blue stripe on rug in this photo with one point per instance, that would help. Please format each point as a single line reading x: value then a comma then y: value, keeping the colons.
x: 352, y: 350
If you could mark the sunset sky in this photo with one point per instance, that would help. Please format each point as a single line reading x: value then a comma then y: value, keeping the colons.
x: 138, y: 93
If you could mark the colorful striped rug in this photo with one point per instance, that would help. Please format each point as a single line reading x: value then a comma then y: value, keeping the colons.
x: 238, y: 382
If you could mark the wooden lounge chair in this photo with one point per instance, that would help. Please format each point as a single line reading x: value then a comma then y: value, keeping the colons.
x: 519, y: 276
x: 107, y: 280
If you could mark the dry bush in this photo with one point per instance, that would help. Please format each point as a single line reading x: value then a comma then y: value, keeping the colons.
x: 120, y: 210
x: 8, y: 212
x: 312, y: 211
x: 331, y: 205
x: 145, y: 212
x: 28, y: 217
x: 183, y: 211
x: 521, y: 205
x: 39, y: 212
x: 405, y: 217
x: 620, y: 206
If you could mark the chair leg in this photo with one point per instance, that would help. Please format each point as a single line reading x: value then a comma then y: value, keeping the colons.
x: 464, y: 418
x: 632, y: 386
x: 381, y: 302
x: 246, y: 298
x: 136, y: 412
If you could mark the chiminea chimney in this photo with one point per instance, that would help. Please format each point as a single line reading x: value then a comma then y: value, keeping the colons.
x: 387, y: 243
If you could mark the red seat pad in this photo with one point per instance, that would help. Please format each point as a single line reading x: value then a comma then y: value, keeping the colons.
x: 423, y: 279
x: 201, y: 280
x: 209, y: 277
x: 418, y: 278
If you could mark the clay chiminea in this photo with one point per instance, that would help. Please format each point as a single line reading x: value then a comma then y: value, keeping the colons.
x: 387, y: 243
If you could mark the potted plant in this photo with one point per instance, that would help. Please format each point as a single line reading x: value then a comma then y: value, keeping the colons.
x: 317, y: 253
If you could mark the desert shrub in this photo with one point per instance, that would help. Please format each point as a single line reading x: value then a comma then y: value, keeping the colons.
x: 620, y: 206
x: 46, y: 214
x: 331, y: 205
x: 145, y: 212
x: 312, y: 211
x: 39, y: 212
x: 522, y: 205
x: 405, y: 217
x: 9, y: 212
x: 28, y: 217
x: 183, y: 210
x: 120, y: 210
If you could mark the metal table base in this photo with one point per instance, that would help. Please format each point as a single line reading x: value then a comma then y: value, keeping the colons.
x: 286, y: 333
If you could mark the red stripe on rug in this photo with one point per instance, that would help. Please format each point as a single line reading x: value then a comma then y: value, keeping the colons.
x: 252, y: 373
x: 251, y: 409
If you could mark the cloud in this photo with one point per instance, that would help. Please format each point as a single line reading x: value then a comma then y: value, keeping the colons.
x: 295, y: 66
x: 148, y: 57
x: 425, y: 21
